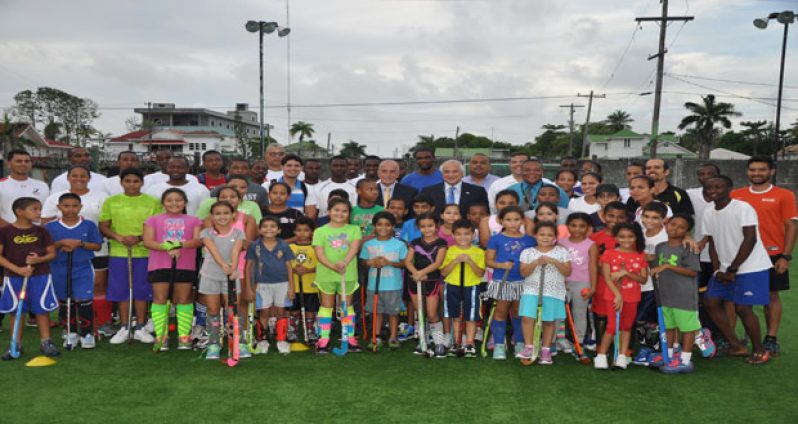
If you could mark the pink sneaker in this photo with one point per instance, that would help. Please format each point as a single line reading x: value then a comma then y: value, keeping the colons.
x: 545, y: 356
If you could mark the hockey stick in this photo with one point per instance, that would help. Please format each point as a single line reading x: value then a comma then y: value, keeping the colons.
x: 233, y: 331
x: 663, y: 332
x: 364, y: 333
x: 580, y: 353
x: 302, y: 310
x: 130, y: 295
x: 536, y: 335
x: 165, y: 334
x: 617, y: 335
x: 486, y: 337
x: 69, y: 345
x: 374, y: 313
x: 422, y: 334
x: 345, y: 320
x: 14, y: 350
x: 459, y: 341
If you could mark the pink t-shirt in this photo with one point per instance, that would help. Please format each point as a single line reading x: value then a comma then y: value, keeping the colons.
x: 580, y: 259
x: 173, y: 228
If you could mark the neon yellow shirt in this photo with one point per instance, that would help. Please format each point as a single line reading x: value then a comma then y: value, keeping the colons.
x: 127, y: 215
x: 471, y: 279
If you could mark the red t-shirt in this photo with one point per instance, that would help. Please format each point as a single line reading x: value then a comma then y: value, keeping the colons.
x: 773, y: 207
x: 212, y: 183
x: 604, y: 241
x: 635, y: 262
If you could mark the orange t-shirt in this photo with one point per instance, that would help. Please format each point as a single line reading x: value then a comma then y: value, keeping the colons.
x: 773, y: 207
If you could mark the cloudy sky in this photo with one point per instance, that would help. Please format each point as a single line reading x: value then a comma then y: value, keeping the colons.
x: 368, y: 61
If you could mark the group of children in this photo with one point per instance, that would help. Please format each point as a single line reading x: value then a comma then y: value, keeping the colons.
x: 533, y: 269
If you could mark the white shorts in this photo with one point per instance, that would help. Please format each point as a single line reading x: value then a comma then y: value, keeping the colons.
x: 272, y: 294
x: 210, y: 285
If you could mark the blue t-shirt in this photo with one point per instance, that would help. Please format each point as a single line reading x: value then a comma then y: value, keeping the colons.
x: 409, y: 231
x: 394, y: 250
x: 420, y: 182
x: 508, y: 249
x: 84, y: 230
x: 269, y: 267
x: 296, y: 200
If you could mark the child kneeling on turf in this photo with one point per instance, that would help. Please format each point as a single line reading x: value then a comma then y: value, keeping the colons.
x: 463, y: 267
x: 384, y: 255
x: 79, y: 238
x: 544, y: 268
x: 269, y: 271
x: 25, y: 250
x: 675, y: 275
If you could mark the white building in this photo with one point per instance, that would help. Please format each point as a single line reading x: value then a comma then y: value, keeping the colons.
x: 623, y: 144
x: 180, y: 142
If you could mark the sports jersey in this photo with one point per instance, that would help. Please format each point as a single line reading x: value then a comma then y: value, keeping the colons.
x: 393, y: 250
x: 471, y: 279
x: 305, y: 255
x: 424, y: 254
x: 773, y: 207
x: 61, y: 184
x: 324, y: 189
x: 83, y: 230
x: 195, y: 192
x: 508, y: 249
x: 12, y: 189
x: 362, y: 217
x: 127, y: 215
x: 174, y: 228
x: 287, y: 219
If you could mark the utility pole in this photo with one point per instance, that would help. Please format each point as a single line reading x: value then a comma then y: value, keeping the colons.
x: 149, y: 125
x: 660, y: 55
x: 288, y: 71
x: 329, y: 152
x: 456, y: 136
x: 571, y: 127
x: 590, y: 97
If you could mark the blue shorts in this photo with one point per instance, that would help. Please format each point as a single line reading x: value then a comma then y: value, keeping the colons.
x: 752, y: 288
x: 553, y: 309
x: 471, y: 303
x: 82, y: 280
x: 39, y: 299
x: 117, y: 280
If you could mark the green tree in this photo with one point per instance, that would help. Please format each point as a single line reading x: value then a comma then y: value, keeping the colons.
x: 304, y: 129
x: 704, y: 117
x: 552, y: 143
x: 49, y: 106
x: 618, y: 120
x: 754, y: 133
x: 242, y: 139
x: 352, y: 149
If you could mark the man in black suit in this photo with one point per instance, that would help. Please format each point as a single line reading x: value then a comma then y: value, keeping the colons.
x: 454, y: 190
x: 388, y: 174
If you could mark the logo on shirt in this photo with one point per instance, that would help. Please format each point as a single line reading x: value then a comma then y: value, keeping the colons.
x: 339, y: 241
x: 25, y: 239
x: 575, y: 256
x: 673, y: 260
x: 513, y: 247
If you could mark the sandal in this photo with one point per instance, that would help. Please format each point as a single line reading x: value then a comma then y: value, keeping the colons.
x: 758, y: 358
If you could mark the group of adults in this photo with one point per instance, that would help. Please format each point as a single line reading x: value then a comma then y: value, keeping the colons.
x: 577, y: 186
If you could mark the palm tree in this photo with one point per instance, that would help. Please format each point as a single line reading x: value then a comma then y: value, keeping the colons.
x: 619, y: 120
x: 352, y: 149
x: 704, y: 117
x: 755, y: 130
x: 304, y: 129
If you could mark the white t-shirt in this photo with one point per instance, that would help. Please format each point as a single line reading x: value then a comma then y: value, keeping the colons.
x: 579, y: 204
x: 651, y: 244
x: 639, y: 214
x: 196, y: 193
x: 92, y: 204
x: 11, y: 190
x: 273, y: 175
x: 699, y: 206
x: 624, y: 191
x: 504, y: 183
x: 60, y: 183
x: 725, y: 227
x: 159, y: 177
x: 324, y: 189
x: 112, y: 186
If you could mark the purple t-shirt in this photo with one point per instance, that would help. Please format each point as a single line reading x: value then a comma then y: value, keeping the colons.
x: 580, y: 259
x: 173, y: 228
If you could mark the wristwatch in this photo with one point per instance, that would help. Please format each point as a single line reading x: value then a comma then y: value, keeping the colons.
x: 787, y: 257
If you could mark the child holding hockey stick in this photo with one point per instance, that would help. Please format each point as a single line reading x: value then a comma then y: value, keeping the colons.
x: 304, y: 266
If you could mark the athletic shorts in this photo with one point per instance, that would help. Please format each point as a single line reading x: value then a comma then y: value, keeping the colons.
x: 628, y: 314
x: 704, y: 275
x: 751, y: 288
x: 471, y: 303
x: 509, y: 290
x: 389, y: 302
x: 682, y: 319
x: 334, y: 287
x: 39, y: 299
x: 183, y: 276
x: 215, y: 286
x: 118, y: 280
x: 82, y: 280
x: 100, y: 263
x: 428, y: 288
x: 553, y: 309
x: 312, y: 302
x: 272, y: 294
x: 779, y: 282
x: 647, y: 308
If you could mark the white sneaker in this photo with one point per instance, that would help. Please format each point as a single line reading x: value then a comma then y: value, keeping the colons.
x: 73, y: 339
x: 120, y: 336
x: 479, y: 335
x: 284, y: 348
x: 87, y: 342
x: 143, y: 336
x: 622, y: 362
x: 564, y: 345
x: 262, y: 347
x: 150, y: 326
x: 600, y: 362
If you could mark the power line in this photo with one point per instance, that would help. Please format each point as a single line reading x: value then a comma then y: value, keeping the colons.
x: 623, y: 55
x: 740, y: 96
x: 763, y: 84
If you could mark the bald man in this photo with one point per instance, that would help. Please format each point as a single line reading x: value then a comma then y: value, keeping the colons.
x: 389, y: 188
x: 453, y: 190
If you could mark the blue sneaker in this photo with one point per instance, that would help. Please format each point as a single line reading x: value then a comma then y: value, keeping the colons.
x: 405, y: 332
x: 643, y: 356
x: 213, y: 352
x: 499, y: 352
x: 656, y: 360
x: 675, y: 366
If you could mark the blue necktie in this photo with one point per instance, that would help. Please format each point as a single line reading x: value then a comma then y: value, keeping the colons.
x: 451, y: 196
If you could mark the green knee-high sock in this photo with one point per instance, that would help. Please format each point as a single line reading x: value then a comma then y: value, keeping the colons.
x: 160, y: 315
x: 185, y: 313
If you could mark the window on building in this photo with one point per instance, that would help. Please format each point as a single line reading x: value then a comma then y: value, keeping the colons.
x: 203, y: 147
x: 627, y: 142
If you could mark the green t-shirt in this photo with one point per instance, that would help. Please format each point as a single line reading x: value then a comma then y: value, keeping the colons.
x: 362, y: 217
x: 336, y: 243
x: 127, y: 215
x: 247, y: 206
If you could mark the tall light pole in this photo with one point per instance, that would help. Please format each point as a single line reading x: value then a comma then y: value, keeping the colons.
x: 786, y: 17
x: 262, y: 27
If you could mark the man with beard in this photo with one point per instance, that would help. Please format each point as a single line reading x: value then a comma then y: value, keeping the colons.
x: 479, y: 171
x: 527, y: 189
x: 677, y: 199
x: 427, y: 173
x: 776, y: 211
x: 177, y: 169
x: 337, y: 180
x: 516, y: 176
x: 257, y: 172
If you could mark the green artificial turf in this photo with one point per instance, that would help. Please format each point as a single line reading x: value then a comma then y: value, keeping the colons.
x: 122, y: 384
